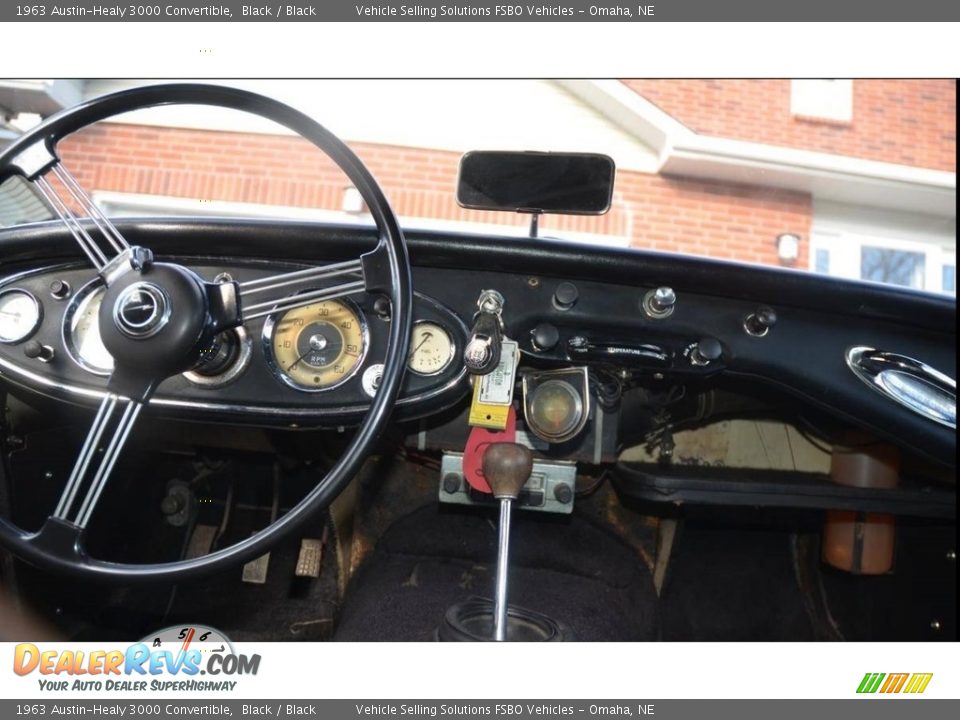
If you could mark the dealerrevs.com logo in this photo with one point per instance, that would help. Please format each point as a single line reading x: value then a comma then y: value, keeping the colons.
x: 887, y: 683
x: 171, y: 659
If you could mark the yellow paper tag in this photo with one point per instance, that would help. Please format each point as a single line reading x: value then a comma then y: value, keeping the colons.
x: 493, y: 393
x: 493, y: 417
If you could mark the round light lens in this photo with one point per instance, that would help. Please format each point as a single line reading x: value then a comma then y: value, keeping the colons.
x: 555, y: 410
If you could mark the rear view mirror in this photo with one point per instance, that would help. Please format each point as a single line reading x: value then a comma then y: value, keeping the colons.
x: 536, y: 182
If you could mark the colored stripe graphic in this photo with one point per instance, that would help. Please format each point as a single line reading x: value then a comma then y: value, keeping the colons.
x: 870, y: 682
x: 918, y: 682
x: 894, y: 683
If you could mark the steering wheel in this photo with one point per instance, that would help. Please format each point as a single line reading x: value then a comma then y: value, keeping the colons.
x: 158, y: 317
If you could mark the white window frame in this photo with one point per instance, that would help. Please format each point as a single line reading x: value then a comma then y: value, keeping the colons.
x: 823, y: 99
x: 845, y: 248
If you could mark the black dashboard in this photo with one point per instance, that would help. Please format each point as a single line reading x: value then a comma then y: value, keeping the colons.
x: 565, y: 304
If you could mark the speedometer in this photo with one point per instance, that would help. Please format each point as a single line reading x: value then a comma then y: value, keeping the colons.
x: 81, y: 330
x: 318, y: 346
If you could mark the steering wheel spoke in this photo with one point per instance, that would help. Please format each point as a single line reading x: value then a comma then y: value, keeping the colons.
x: 38, y: 164
x: 73, y: 507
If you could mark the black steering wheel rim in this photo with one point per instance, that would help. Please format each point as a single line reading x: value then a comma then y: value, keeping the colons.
x: 45, y: 550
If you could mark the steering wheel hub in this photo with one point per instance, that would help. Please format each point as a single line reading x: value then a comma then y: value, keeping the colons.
x: 141, y: 310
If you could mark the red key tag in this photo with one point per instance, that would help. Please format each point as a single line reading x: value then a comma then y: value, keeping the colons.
x: 476, y: 446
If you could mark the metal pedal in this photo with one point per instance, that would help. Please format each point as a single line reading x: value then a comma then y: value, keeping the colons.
x: 201, y: 541
x: 310, y: 558
x: 255, y: 571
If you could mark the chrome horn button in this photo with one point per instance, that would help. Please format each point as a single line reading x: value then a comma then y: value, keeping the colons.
x: 141, y: 310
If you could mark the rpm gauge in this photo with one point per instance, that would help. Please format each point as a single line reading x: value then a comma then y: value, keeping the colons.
x: 317, y: 346
x: 81, y: 330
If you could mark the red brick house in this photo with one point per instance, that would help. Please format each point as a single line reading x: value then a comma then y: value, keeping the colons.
x: 859, y: 175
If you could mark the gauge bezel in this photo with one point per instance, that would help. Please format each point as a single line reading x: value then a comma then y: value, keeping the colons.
x: 447, y: 362
x: 242, y: 362
x: 80, y: 298
x: 36, y: 325
x: 266, y: 339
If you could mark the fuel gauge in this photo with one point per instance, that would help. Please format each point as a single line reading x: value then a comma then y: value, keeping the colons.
x: 431, y: 349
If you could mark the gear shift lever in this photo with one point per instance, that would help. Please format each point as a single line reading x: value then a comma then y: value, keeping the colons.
x: 506, y: 467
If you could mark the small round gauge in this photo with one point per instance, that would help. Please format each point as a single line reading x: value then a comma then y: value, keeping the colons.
x: 317, y: 346
x: 81, y: 330
x: 554, y: 411
x: 431, y: 349
x: 20, y: 315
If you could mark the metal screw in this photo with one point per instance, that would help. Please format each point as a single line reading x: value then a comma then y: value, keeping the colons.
x: 451, y: 483
x: 533, y: 282
x: 48, y: 475
x: 935, y: 625
x: 951, y: 555
x: 562, y: 493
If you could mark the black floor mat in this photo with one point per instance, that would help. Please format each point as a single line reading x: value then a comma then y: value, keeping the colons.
x: 731, y: 583
x: 564, y: 567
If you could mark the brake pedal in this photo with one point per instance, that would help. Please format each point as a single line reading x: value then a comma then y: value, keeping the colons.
x: 255, y: 571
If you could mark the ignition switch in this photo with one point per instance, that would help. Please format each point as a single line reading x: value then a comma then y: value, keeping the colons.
x: 482, y: 352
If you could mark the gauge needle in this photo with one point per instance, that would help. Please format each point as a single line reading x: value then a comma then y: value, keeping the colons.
x: 426, y: 336
x: 294, y: 363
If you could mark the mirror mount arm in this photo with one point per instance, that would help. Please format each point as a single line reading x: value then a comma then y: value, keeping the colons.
x: 534, y: 224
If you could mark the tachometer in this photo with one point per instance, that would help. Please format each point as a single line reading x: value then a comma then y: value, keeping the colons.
x: 318, y: 346
x: 81, y: 330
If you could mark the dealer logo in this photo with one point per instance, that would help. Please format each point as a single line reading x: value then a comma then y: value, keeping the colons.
x: 172, y: 659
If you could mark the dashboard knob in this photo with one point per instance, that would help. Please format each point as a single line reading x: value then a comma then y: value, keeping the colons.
x: 565, y: 296
x: 35, y: 351
x: 706, y: 351
x: 759, y: 322
x: 59, y: 289
x: 659, y: 303
x: 545, y: 337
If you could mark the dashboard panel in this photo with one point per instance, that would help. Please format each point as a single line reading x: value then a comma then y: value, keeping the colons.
x: 315, y: 364
x: 566, y: 305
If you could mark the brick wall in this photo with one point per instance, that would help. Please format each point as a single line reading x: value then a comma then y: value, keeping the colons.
x: 704, y: 218
x: 910, y: 122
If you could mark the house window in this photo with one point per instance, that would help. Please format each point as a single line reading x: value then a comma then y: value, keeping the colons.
x: 821, y: 261
x: 893, y: 266
x: 950, y: 279
x: 908, y: 263
x: 822, y: 99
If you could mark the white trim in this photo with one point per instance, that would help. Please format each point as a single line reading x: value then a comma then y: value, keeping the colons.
x: 826, y: 176
x: 119, y: 204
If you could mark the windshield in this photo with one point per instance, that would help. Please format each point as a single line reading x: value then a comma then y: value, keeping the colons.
x: 850, y: 178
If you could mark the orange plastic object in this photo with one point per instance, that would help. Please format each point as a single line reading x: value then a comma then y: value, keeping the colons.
x: 861, y: 543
